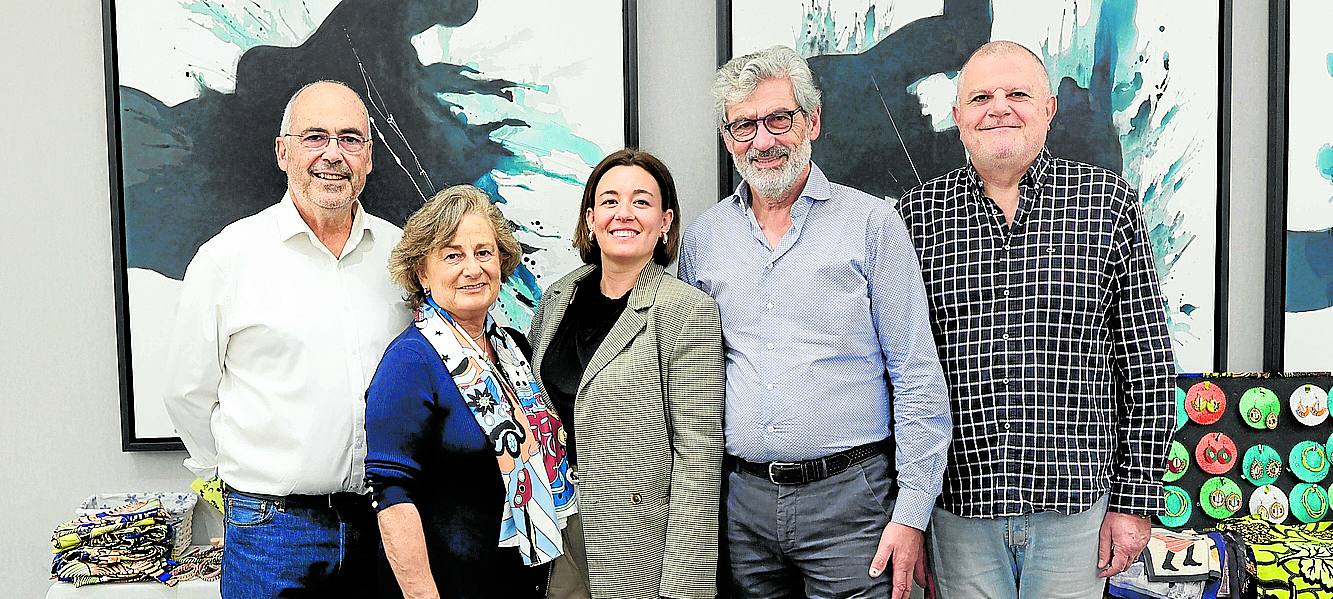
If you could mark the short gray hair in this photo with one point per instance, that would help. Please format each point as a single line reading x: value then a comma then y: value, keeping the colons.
x: 287, y: 110
x: 737, y: 79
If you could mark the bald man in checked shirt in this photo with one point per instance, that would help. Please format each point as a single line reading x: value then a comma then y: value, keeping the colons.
x: 1048, y: 315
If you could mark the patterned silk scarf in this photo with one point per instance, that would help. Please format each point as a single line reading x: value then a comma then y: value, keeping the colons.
x: 525, y: 433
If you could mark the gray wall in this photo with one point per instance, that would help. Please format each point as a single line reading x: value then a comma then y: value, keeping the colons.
x: 60, y: 432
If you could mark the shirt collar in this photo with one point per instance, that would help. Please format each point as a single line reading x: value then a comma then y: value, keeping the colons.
x: 1034, y: 177
x: 290, y: 223
x: 817, y: 187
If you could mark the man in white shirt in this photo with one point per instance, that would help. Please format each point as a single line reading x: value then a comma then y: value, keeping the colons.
x: 283, y: 318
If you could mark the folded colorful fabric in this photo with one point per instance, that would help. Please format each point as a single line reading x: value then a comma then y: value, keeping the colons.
x: 1290, y: 561
x: 1133, y: 583
x: 129, y: 543
x: 85, y: 528
x: 1178, y: 556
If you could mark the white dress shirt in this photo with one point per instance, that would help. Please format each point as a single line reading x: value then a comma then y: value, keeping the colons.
x: 275, y: 342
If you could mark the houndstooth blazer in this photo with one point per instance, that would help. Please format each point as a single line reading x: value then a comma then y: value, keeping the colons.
x: 649, y: 419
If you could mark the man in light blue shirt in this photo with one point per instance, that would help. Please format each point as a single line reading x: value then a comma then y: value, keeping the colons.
x: 821, y: 297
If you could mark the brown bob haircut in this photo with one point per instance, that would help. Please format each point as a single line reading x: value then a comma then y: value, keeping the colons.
x: 663, y: 254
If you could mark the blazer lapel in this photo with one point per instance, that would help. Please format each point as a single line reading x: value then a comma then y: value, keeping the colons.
x: 632, y: 321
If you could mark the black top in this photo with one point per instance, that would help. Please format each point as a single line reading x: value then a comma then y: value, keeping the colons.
x: 587, y: 320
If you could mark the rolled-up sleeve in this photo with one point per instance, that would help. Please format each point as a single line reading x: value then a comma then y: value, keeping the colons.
x: 402, y: 424
x: 922, y: 424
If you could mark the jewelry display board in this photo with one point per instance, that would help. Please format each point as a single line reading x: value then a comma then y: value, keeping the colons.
x: 1246, y: 438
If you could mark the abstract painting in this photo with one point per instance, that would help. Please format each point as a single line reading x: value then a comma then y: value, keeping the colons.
x: 519, y: 98
x: 1139, y: 91
x: 1300, y: 306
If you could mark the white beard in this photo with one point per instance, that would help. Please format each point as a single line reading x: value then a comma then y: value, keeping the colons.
x: 774, y: 183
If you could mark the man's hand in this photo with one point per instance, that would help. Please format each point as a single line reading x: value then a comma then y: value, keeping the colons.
x: 902, y: 544
x: 922, y: 575
x: 1121, y: 539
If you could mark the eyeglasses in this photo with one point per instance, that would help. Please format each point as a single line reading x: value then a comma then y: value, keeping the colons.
x: 777, y: 123
x: 318, y: 141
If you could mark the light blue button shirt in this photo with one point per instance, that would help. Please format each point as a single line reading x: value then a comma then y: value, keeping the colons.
x: 813, y: 325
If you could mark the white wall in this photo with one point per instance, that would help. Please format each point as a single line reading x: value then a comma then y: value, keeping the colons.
x: 60, y: 387
x: 60, y: 429
x: 1249, y: 186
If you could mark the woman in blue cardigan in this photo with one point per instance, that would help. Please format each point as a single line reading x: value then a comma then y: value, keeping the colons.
x: 465, y: 458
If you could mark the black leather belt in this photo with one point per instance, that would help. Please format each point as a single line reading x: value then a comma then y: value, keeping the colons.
x: 332, y: 500
x: 808, y: 471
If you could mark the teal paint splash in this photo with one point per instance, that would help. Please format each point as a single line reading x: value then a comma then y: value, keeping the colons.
x: 1324, y: 162
x: 821, y: 34
x: 1111, y: 42
x: 252, y: 24
x: 534, y: 134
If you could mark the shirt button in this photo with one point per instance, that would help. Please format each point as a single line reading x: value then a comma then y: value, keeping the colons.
x: 1006, y: 426
x: 770, y: 386
x: 635, y: 499
x: 768, y: 306
x: 769, y: 346
x: 772, y: 429
x: 1006, y: 336
x: 1006, y: 293
x: 769, y: 266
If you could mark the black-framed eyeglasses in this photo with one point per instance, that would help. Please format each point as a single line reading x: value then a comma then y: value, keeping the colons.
x: 777, y: 123
x: 318, y: 141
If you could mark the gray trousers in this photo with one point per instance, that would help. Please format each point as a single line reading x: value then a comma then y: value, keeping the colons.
x: 813, y: 540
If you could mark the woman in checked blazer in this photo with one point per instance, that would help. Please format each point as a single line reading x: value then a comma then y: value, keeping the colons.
x: 632, y: 357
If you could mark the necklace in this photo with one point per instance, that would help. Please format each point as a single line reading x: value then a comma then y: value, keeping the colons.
x: 477, y: 337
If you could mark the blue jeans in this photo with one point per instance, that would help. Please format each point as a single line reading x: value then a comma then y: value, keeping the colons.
x: 1042, y: 555
x: 277, y: 550
x: 811, y: 540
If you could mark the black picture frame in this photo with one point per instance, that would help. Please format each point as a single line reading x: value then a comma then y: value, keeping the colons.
x: 131, y: 438
x: 1296, y: 257
x: 728, y: 178
x: 1275, y: 256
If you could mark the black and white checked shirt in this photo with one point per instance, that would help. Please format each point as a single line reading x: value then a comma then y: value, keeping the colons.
x: 1053, y: 339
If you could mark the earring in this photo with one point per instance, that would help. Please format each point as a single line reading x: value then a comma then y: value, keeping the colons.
x: 664, y: 237
x: 425, y: 291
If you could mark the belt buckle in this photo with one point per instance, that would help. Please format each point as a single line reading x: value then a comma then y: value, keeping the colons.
x: 772, y: 476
